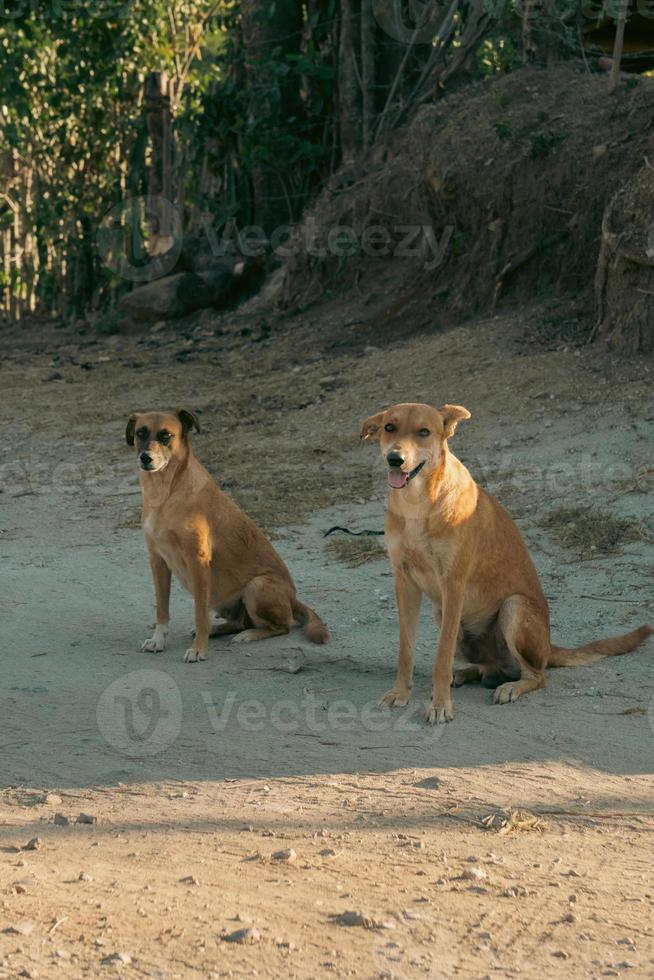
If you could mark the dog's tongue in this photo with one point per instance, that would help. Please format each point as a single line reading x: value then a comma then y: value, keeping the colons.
x: 397, y: 479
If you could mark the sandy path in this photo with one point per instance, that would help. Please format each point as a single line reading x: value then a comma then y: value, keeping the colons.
x: 202, y: 772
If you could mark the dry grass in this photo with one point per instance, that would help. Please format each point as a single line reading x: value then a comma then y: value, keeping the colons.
x: 355, y: 551
x: 585, y: 529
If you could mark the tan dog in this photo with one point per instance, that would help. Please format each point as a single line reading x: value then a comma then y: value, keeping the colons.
x: 451, y: 541
x: 194, y: 530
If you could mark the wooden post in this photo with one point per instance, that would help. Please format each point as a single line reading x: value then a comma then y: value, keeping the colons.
x: 614, y: 77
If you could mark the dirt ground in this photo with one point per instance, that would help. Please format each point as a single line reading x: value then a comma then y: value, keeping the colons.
x: 262, y: 793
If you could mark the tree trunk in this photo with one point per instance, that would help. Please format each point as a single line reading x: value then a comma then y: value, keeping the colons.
x: 349, y: 88
x: 270, y: 34
x: 368, y: 70
x: 159, y: 125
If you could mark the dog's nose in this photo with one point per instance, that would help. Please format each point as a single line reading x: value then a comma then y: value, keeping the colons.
x: 146, y: 459
x: 394, y: 459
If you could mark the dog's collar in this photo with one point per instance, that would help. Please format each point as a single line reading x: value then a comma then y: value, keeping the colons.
x: 416, y: 471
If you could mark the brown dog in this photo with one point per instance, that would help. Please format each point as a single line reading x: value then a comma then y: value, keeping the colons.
x: 450, y: 540
x: 194, y: 530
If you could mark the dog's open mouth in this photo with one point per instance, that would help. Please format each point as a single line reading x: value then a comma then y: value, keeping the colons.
x: 398, y: 478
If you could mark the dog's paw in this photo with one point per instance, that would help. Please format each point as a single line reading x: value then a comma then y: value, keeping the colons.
x: 439, y: 714
x: 506, y: 693
x: 245, y: 636
x: 157, y: 642
x: 397, y: 696
x: 192, y: 655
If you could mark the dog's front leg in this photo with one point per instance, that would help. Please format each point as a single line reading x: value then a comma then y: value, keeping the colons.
x: 440, y: 709
x: 161, y: 578
x: 199, y: 581
x: 408, y: 606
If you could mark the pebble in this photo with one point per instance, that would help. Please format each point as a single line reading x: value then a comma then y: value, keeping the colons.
x: 61, y: 820
x: 33, y: 845
x: 189, y: 880
x: 288, y: 854
x: 24, y: 928
x: 84, y: 877
x: 124, y: 958
x: 243, y: 936
x: 327, y: 852
x: 474, y: 874
x: 86, y: 818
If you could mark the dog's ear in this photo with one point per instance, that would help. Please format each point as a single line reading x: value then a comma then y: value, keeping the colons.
x: 129, y: 431
x: 371, y: 427
x: 189, y: 421
x: 452, y: 415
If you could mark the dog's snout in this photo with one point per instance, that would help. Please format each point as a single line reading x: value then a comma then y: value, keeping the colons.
x: 395, y: 459
x: 146, y: 460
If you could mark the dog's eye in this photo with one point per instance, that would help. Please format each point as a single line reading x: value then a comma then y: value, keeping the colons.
x: 141, y: 433
x: 390, y: 427
x: 165, y: 437
x: 424, y: 433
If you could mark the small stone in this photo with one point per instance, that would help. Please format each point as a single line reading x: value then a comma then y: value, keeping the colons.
x: 23, y: 928
x: 33, y: 845
x: 62, y: 954
x: 123, y: 958
x: 561, y: 954
x: 84, y: 877
x: 242, y: 936
x: 327, y: 852
x: 287, y: 854
x: 189, y: 880
x: 474, y: 874
x: 570, y: 917
x: 61, y: 820
x: 86, y: 818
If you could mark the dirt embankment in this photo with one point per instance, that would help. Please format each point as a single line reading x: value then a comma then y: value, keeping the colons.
x: 494, y: 193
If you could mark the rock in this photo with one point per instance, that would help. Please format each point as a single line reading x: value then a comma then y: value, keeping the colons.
x: 21, y: 887
x: 84, y: 877
x: 33, y: 845
x: 353, y: 918
x: 218, y: 280
x: 165, y: 299
x: 243, y: 936
x: 327, y: 852
x: 189, y: 880
x: 123, y: 958
x: 288, y: 854
x: 86, y: 818
x: 52, y: 799
x: 61, y: 820
x: 474, y: 874
x: 23, y: 928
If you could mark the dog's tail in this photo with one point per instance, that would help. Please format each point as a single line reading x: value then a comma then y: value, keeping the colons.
x: 314, y: 628
x: 616, y: 646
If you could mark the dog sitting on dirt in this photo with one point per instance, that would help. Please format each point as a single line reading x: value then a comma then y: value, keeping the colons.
x: 450, y: 540
x: 196, y: 532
